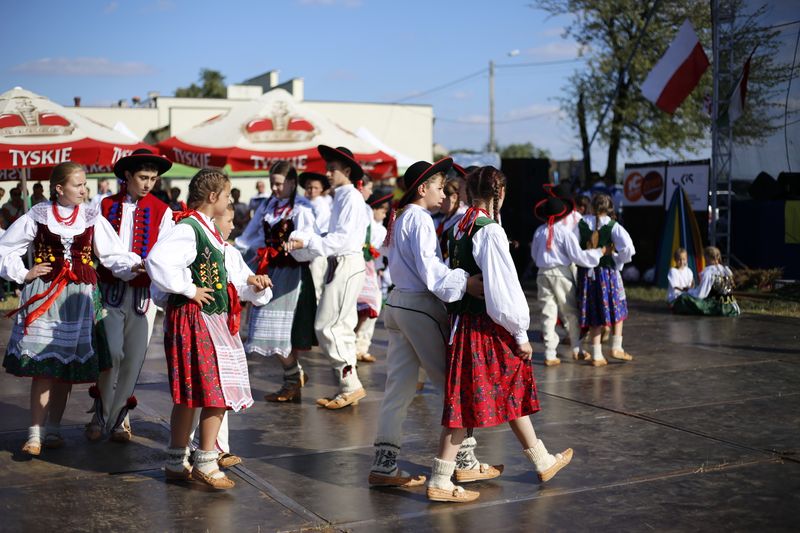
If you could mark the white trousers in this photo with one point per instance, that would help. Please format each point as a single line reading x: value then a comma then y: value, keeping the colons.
x: 128, y: 334
x: 418, y: 326
x: 556, y: 296
x: 222, y: 437
x: 318, y: 266
x: 337, y: 318
x: 364, y: 335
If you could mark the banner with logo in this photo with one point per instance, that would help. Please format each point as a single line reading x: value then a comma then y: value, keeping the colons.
x: 644, y: 184
x: 693, y: 177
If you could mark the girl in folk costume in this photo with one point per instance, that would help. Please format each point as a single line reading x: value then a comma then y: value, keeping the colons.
x: 52, y: 336
x: 680, y: 278
x: 370, y: 300
x: 601, y: 294
x: 128, y: 312
x: 714, y: 294
x: 416, y: 321
x: 315, y: 185
x: 243, y: 280
x: 205, y: 357
x: 285, y: 326
x: 343, y: 246
x: 554, y: 250
x: 451, y: 211
x: 489, y: 374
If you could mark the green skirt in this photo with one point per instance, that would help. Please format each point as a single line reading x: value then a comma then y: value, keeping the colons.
x: 711, y: 306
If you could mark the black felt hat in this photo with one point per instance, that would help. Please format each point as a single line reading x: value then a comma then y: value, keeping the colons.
x: 343, y: 155
x: 422, y: 170
x: 142, y: 155
x: 322, y: 178
x: 551, y: 207
x: 379, y: 199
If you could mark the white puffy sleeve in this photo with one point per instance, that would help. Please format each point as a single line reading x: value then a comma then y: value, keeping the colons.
x: 253, y: 235
x: 167, y: 223
x: 582, y: 258
x: 238, y: 272
x: 13, y: 245
x: 304, y: 222
x: 168, y: 262
x: 340, y: 234
x: 111, y: 252
x: 446, y: 284
x: 623, y: 244
x: 706, y: 282
x: 505, y: 301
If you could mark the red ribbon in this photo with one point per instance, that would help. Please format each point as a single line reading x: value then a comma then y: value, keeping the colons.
x: 374, y: 252
x: 234, y: 309
x: 264, y: 256
x: 65, y: 276
x: 177, y: 216
x: 470, y: 217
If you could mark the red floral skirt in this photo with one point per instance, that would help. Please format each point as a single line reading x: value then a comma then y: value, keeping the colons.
x: 191, y: 358
x: 487, y: 384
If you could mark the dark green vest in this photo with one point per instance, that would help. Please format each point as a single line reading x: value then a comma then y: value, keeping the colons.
x: 460, y: 254
x: 368, y: 245
x: 208, y: 270
x: 604, y: 239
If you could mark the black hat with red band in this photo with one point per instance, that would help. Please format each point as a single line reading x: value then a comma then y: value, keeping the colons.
x: 420, y: 171
x: 344, y: 156
x: 139, y: 157
x: 377, y: 200
x: 305, y: 177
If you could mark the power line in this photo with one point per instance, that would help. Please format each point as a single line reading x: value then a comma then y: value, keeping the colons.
x: 443, y: 86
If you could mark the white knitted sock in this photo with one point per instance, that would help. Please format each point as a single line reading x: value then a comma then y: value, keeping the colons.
x: 385, y: 461
x: 539, y: 456
x: 616, y: 342
x: 597, y: 353
x: 177, y: 459
x: 206, y: 462
x: 465, y: 458
x: 441, y: 474
x: 35, y: 434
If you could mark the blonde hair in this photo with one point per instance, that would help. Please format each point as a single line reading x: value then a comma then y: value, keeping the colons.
x: 602, y: 204
x: 712, y: 253
x: 60, y: 175
x: 678, y: 253
x: 206, y: 181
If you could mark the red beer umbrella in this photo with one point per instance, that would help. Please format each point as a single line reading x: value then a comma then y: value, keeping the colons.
x: 37, y: 134
x: 254, y: 134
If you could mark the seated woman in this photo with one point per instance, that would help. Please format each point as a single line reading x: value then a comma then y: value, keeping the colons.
x: 714, y: 294
x: 680, y: 277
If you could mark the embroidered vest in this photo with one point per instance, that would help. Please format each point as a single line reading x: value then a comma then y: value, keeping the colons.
x: 47, y: 248
x: 275, y: 237
x: 147, y: 218
x: 460, y: 253
x: 604, y: 239
x: 208, y: 270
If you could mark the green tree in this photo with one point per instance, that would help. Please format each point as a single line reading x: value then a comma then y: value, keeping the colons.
x: 212, y: 85
x: 523, y: 150
x: 607, y: 31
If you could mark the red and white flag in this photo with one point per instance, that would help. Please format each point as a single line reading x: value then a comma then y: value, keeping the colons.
x: 736, y: 105
x: 678, y: 72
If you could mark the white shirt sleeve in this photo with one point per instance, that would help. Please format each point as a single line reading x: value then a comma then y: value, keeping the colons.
x: 572, y: 248
x: 166, y: 222
x: 706, y: 282
x: 446, y: 284
x: 304, y: 224
x: 13, y: 245
x: 505, y: 302
x: 238, y: 272
x: 339, y: 235
x: 168, y: 262
x: 111, y: 252
x: 623, y: 244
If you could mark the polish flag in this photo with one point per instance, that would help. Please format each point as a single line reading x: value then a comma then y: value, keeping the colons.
x: 736, y: 105
x: 678, y: 72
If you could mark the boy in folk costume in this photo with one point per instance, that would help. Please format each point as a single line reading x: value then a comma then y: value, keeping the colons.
x: 343, y: 246
x: 370, y: 300
x: 284, y: 327
x: 205, y: 357
x: 417, y: 323
x: 52, y: 339
x: 554, y: 249
x: 128, y: 313
x: 315, y: 185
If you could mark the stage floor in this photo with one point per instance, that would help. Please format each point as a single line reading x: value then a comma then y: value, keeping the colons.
x: 700, y: 432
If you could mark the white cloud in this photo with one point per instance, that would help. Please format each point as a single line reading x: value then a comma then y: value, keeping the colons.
x: 83, y: 66
x: 553, y: 50
x: 111, y: 7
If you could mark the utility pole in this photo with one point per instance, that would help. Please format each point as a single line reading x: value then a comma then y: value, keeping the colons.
x: 492, y: 147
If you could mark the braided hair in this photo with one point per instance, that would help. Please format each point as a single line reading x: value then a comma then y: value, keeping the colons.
x: 486, y: 184
x: 206, y: 181
x: 287, y: 170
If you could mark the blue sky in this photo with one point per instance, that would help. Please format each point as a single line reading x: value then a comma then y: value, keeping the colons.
x: 350, y: 50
